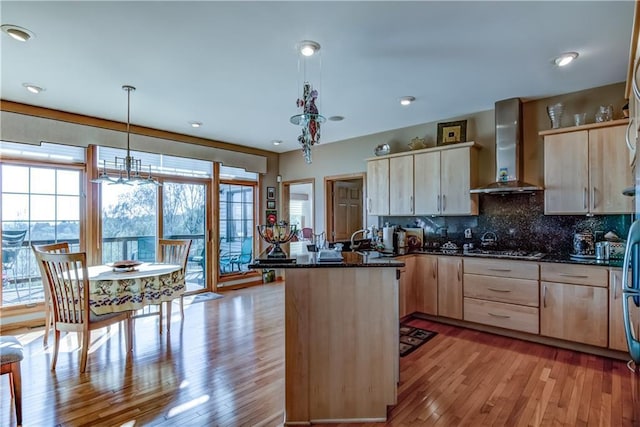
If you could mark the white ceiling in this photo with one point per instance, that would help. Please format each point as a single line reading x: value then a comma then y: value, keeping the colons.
x: 233, y: 65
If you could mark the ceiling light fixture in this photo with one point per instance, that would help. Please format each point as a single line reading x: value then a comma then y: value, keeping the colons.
x: 407, y: 100
x: 565, y: 58
x: 277, y: 141
x: 336, y: 118
x: 308, y: 47
x: 17, y: 33
x: 128, y: 167
x: 310, y: 118
x: 195, y: 124
x: 33, y: 88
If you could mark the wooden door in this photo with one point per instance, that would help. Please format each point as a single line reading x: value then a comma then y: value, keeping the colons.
x: 425, y: 281
x: 455, y: 182
x: 378, y: 187
x: 450, y: 287
x: 609, y: 172
x: 426, y: 187
x: 574, y: 313
x: 401, y: 185
x: 566, y: 173
x: 347, y: 208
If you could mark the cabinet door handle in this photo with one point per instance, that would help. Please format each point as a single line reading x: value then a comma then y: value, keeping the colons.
x: 499, y: 290
x: 626, y: 136
x: 593, y: 197
x: 444, y: 203
x: 634, y: 82
x: 499, y: 269
x: 544, y: 296
x: 501, y: 316
x: 434, y: 265
x: 577, y: 276
x: 584, y: 197
x: 459, y: 263
x: 438, y: 203
x: 411, y: 204
x: 369, y: 205
x: 615, y: 286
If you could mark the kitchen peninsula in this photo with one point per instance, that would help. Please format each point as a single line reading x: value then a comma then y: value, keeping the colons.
x: 341, y: 337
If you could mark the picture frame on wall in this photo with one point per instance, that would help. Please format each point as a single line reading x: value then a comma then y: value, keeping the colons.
x: 271, y: 193
x: 271, y: 204
x: 452, y: 132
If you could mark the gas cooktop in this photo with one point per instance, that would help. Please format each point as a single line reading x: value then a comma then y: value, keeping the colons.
x: 509, y: 253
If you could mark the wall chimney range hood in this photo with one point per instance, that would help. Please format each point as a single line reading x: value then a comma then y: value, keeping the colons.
x: 509, y: 153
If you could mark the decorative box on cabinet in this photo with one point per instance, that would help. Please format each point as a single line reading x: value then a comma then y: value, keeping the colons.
x: 586, y: 168
x: 502, y: 293
x: 574, y: 303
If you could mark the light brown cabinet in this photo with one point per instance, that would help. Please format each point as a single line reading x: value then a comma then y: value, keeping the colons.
x: 432, y: 181
x: 443, y: 181
x: 574, y: 303
x: 406, y: 291
x: 585, y: 170
x: 502, y: 293
x: 401, y: 185
x: 426, y: 284
x: 378, y: 187
x: 617, y: 337
x: 450, y: 287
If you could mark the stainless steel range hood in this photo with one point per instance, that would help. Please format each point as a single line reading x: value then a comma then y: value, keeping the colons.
x: 509, y: 154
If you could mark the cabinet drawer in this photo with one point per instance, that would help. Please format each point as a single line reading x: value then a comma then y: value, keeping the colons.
x: 502, y: 268
x: 575, y: 274
x: 508, y: 316
x: 502, y: 289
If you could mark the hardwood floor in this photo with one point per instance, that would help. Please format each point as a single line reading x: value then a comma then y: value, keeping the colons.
x: 224, y: 366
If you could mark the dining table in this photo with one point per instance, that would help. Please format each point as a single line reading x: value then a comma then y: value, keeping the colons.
x: 113, y: 290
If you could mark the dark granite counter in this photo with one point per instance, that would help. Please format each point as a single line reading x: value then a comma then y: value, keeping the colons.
x: 300, y: 257
x: 555, y: 258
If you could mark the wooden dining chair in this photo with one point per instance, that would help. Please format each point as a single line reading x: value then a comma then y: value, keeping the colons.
x: 174, y: 251
x: 67, y: 277
x: 54, y: 248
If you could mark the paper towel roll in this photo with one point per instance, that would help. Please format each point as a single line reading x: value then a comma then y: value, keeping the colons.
x: 387, y: 238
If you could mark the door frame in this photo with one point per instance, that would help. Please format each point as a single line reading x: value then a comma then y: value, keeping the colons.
x: 286, y: 197
x: 328, y: 205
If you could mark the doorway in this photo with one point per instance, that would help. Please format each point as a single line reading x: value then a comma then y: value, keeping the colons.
x: 345, y: 212
x: 299, y: 206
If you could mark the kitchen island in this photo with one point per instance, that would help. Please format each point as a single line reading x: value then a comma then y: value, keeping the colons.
x: 341, y: 337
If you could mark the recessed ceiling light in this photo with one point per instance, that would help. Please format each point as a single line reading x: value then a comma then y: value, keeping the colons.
x: 406, y: 100
x: 565, y: 58
x: 17, y: 33
x: 336, y: 118
x: 308, y: 47
x: 195, y: 124
x: 33, y: 88
x: 277, y: 141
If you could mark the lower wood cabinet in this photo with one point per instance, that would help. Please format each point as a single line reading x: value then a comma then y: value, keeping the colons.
x: 502, y: 293
x: 574, y: 303
x: 574, y: 312
x: 426, y: 284
x: 450, y: 287
x: 406, y: 292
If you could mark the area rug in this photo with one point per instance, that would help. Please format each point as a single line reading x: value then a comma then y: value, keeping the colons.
x: 206, y: 296
x: 411, y: 338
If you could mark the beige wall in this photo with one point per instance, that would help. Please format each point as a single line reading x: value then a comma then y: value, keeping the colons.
x: 349, y: 156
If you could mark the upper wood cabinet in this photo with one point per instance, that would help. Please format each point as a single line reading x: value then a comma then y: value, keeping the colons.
x: 585, y: 170
x: 378, y: 187
x: 443, y: 180
x: 632, y: 90
x: 432, y: 181
x: 401, y: 185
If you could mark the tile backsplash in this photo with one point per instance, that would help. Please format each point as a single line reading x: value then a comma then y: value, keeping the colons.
x: 518, y: 221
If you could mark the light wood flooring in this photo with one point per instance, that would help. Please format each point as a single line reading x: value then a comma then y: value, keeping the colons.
x: 224, y: 366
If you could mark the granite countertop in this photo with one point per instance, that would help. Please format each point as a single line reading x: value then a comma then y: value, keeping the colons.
x: 551, y: 258
x: 300, y: 257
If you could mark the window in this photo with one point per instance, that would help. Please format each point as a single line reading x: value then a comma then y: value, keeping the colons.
x: 44, y: 203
